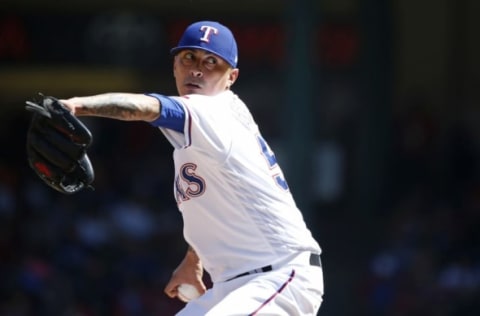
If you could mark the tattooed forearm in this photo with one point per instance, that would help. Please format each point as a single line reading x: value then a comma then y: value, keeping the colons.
x: 122, y: 106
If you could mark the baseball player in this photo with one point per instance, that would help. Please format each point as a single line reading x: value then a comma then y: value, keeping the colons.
x: 240, y: 220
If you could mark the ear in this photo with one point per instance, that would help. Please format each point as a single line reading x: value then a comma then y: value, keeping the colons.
x: 232, y: 77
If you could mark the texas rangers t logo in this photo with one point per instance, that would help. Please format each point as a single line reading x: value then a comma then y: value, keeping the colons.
x: 208, y: 30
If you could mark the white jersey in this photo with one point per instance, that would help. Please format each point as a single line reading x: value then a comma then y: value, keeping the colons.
x: 237, y: 210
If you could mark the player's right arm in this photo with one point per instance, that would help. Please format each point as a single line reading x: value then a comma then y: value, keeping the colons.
x: 120, y: 106
x: 189, y: 271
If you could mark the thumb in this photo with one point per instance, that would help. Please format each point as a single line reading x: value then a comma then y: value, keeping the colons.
x: 171, y: 289
x: 69, y: 105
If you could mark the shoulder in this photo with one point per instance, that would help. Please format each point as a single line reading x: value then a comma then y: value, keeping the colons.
x: 209, y: 99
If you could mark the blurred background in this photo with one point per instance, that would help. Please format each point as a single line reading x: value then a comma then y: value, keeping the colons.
x: 372, y: 107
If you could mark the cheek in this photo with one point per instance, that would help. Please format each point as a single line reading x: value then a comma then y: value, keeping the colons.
x: 178, y: 74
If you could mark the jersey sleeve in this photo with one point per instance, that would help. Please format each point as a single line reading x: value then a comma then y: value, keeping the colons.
x: 172, y: 115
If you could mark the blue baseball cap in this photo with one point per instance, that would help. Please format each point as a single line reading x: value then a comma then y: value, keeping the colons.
x: 212, y: 37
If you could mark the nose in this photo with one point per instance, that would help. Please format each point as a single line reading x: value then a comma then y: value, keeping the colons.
x: 196, y: 73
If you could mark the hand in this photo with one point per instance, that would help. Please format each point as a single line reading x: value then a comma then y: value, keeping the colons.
x: 189, y: 271
x: 69, y: 105
x: 57, y: 144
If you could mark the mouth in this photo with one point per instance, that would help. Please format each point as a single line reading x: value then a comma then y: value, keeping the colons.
x: 193, y: 85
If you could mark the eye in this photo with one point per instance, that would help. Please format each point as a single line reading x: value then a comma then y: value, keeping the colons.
x: 210, y: 62
x: 187, y: 58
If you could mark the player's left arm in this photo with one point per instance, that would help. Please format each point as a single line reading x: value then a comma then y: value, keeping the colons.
x: 120, y: 106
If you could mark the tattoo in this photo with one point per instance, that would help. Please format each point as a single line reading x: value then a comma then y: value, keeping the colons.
x: 122, y: 106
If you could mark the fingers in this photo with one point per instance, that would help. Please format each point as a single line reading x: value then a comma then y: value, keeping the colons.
x: 201, y: 287
x: 171, y: 291
x: 69, y: 105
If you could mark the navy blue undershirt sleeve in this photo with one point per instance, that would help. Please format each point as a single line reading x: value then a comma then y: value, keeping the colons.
x: 172, y: 115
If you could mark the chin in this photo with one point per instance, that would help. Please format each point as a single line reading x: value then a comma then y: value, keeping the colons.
x: 195, y: 91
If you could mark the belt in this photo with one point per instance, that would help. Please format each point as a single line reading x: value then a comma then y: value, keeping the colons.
x: 314, y: 261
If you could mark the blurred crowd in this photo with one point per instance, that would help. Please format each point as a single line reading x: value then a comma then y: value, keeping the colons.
x: 427, y: 260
